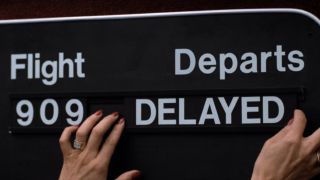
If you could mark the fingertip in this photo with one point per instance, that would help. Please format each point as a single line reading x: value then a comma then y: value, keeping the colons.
x: 298, y: 124
x: 112, y: 117
x: 98, y: 113
x: 115, y: 114
x: 121, y: 121
x: 66, y: 133
x: 71, y: 128
x: 299, y: 115
x: 136, y: 174
x: 65, y: 139
x: 75, y: 126
x: 314, y: 140
x: 130, y: 175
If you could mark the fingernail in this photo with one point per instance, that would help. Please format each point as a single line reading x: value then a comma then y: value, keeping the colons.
x: 115, y: 114
x: 121, y: 121
x: 136, y: 175
x: 98, y: 113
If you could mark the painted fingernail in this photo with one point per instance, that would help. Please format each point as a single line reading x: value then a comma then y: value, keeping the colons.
x: 115, y: 114
x: 136, y: 175
x: 98, y: 113
x: 121, y: 121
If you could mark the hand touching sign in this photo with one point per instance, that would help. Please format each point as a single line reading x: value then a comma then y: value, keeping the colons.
x: 84, y: 160
x: 288, y: 155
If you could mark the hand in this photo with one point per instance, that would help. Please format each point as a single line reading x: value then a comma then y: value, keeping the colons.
x: 288, y: 155
x: 89, y: 161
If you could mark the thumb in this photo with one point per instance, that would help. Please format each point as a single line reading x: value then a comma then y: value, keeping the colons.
x: 130, y: 175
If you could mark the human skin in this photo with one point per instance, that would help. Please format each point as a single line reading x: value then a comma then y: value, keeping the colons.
x: 92, y: 162
x: 289, y: 155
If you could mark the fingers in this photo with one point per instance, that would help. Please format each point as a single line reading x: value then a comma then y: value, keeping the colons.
x: 64, y: 140
x: 299, y: 123
x: 129, y: 175
x: 99, y: 130
x: 86, y: 127
x: 283, y: 132
x: 111, y: 142
x: 313, y: 141
x: 314, y: 164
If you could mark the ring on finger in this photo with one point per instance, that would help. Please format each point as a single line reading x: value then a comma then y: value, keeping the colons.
x: 318, y: 157
x: 78, y: 145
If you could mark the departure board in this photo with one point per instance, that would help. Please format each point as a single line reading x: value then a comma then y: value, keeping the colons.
x: 194, y: 87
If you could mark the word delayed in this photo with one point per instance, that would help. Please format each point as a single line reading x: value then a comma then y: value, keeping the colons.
x: 214, y: 110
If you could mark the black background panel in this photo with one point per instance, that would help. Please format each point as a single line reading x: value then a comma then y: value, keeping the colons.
x: 120, y: 60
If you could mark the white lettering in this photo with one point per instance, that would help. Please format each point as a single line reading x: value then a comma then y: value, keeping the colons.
x: 209, y: 104
x: 162, y: 111
x: 246, y: 109
x: 223, y: 68
x: 14, y: 64
x: 192, y: 61
x: 296, y: 60
x: 266, y: 100
x: 228, y: 109
x: 182, y: 119
x: 247, y: 63
x: 207, y: 63
x: 153, y: 112
x: 49, y: 71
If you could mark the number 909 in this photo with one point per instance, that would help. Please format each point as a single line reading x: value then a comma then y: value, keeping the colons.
x: 26, y: 112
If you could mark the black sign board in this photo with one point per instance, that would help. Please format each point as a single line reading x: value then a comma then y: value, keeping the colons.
x: 199, y: 90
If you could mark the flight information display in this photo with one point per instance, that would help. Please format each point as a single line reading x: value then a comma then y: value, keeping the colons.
x: 189, y: 83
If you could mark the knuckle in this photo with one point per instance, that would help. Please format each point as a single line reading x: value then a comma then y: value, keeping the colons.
x: 112, y: 142
x: 98, y: 131
x: 84, y: 159
x: 98, y: 166
x: 80, y: 133
x: 290, y: 141
x: 308, y: 148
x: 62, y: 140
x: 268, y: 144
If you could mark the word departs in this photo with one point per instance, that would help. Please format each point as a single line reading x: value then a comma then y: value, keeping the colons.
x: 228, y: 63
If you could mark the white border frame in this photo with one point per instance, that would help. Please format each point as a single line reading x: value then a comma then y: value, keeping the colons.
x: 165, y: 14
